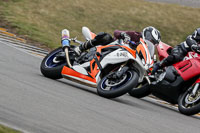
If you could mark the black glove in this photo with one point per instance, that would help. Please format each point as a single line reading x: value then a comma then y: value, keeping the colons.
x: 156, y: 66
x: 126, y: 38
x: 195, y: 48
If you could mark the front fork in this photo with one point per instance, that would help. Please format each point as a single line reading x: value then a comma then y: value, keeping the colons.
x: 196, y: 87
x: 123, y: 68
x: 67, y: 57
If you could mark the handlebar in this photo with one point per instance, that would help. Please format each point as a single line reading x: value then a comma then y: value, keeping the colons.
x: 121, y: 41
x: 132, y: 42
x: 76, y: 41
x: 67, y: 51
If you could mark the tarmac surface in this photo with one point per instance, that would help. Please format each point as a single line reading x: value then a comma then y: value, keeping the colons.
x: 35, y: 104
x: 32, y: 103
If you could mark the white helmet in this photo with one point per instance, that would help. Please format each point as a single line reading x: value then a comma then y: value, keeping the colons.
x: 151, y: 34
x: 196, y: 34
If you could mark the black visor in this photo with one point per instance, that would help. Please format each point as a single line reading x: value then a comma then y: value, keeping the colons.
x: 149, y: 37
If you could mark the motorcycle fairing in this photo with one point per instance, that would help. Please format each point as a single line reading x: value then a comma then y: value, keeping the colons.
x: 70, y: 73
x: 170, y: 87
x: 197, y: 81
x: 142, y: 47
x: 163, y: 50
x: 177, y: 78
x: 91, y: 76
x: 191, y: 55
x: 119, y: 55
x: 188, y: 68
x: 80, y: 73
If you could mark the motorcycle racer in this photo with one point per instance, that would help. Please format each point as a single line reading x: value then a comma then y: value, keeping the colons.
x: 149, y: 33
x: 192, y: 43
x: 101, y: 38
x: 129, y: 37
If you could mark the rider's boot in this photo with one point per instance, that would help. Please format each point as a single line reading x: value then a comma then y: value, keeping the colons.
x: 83, y: 47
x: 102, y: 38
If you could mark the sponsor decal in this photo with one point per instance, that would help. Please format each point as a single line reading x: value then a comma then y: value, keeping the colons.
x: 122, y: 54
x: 190, y: 56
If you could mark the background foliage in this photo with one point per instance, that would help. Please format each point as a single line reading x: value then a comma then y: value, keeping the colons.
x: 42, y: 20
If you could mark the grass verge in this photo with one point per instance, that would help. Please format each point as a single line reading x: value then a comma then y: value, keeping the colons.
x: 4, y: 129
x: 42, y: 20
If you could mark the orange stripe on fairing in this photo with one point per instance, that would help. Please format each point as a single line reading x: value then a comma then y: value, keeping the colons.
x: 99, y: 48
x: 131, y: 51
x: 71, y: 72
x: 141, y: 48
x: 147, y: 52
x: 94, y: 71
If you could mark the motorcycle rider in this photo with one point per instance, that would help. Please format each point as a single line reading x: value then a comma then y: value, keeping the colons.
x: 129, y: 37
x: 149, y: 33
x: 177, y: 54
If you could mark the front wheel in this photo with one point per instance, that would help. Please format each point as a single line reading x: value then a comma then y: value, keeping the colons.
x: 188, y: 103
x: 50, y: 67
x: 140, y: 91
x: 114, y: 87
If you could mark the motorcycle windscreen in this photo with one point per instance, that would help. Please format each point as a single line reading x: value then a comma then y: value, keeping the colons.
x: 151, y: 48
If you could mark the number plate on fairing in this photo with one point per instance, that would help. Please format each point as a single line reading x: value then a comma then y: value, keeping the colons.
x: 122, y: 54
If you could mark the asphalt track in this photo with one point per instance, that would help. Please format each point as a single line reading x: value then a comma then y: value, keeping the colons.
x: 33, y: 103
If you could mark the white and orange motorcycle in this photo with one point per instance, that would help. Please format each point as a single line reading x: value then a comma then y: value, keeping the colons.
x: 114, y: 69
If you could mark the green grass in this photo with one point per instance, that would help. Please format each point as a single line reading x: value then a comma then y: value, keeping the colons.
x: 4, y: 129
x: 42, y: 20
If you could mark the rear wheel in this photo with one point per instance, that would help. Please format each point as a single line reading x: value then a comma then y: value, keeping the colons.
x: 188, y: 103
x: 50, y: 67
x: 141, y: 91
x: 110, y: 87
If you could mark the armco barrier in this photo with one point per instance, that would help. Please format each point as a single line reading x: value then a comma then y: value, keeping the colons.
x: 12, y: 38
x: 3, y: 32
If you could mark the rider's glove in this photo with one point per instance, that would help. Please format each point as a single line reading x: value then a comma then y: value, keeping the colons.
x: 195, y: 48
x: 126, y: 38
x: 156, y: 66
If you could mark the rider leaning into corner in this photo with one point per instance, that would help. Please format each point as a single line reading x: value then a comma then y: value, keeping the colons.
x: 177, y: 54
x: 129, y: 37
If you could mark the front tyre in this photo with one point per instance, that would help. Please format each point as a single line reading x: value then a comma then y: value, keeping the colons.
x: 111, y: 87
x: 189, y: 104
x: 50, y: 67
x: 140, y: 92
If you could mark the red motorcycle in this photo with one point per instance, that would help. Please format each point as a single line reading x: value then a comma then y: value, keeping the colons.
x: 176, y: 84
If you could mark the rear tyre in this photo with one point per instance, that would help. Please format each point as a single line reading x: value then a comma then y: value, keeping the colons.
x: 51, y: 69
x: 110, y: 88
x: 140, y: 92
x: 189, y: 105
